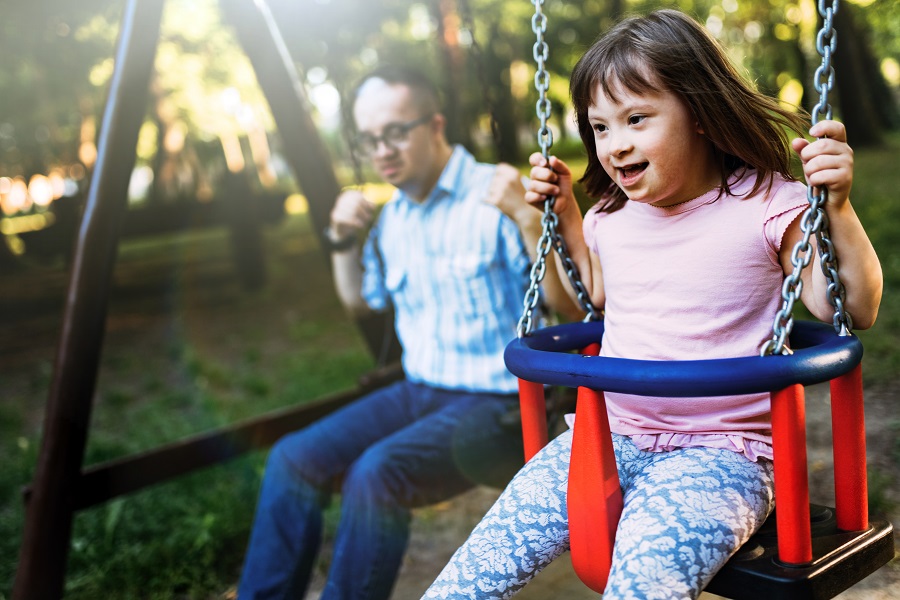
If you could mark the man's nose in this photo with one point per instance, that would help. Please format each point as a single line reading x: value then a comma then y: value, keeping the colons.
x: 383, y: 148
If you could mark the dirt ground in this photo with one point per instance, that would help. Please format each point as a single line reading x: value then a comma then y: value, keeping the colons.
x: 29, y: 326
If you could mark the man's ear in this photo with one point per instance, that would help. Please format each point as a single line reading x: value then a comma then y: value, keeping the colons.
x: 439, y: 123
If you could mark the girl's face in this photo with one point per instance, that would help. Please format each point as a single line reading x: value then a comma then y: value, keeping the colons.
x: 651, y: 146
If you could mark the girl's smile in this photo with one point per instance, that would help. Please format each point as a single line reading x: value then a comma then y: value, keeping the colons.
x: 629, y: 174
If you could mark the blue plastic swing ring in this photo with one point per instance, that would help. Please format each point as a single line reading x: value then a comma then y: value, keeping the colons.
x: 544, y: 357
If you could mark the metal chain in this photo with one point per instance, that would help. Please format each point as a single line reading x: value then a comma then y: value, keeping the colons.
x: 814, y: 220
x: 550, y: 237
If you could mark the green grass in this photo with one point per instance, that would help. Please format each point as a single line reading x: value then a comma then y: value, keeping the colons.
x: 215, y: 355
x: 219, y: 355
x: 876, y: 200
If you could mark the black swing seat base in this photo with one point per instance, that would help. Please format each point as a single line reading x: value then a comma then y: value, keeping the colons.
x: 840, y: 559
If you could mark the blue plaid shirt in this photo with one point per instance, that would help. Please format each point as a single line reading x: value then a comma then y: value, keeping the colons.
x: 455, y: 270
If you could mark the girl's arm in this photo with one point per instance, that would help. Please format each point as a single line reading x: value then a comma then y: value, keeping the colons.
x: 828, y: 162
x: 555, y: 179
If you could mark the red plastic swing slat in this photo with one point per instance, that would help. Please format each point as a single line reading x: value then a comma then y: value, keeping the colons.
x: 848, y: 426
x: 594, y: 498
x: 533, y: 407
x: 791, y: 480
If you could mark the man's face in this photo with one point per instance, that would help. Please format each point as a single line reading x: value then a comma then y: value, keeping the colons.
x: 402, y: 141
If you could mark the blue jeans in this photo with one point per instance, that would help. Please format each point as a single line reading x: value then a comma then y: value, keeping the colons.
x: 400, y: 447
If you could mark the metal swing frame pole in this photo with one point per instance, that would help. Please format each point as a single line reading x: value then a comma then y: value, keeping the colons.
x: 48, y: 519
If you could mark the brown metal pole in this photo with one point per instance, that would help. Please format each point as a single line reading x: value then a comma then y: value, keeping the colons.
x: 302, y: 145
x: 48, y: 519
x: 277, y: 76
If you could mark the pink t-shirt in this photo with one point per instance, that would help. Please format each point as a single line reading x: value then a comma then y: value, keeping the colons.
x: 697, y: 280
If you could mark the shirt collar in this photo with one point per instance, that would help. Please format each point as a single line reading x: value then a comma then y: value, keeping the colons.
x: 459, y: 163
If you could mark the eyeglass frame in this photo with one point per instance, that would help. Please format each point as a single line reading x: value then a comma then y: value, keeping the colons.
x: 368, y: 143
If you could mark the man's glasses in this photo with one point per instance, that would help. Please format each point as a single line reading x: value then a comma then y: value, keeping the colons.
x: 393, y: 136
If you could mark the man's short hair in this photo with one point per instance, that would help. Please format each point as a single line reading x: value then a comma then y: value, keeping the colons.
x: 425, y: 93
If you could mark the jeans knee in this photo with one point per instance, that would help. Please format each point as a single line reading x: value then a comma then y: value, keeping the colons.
x: 282, y: 468
x: 373, y: 478
x: 279, y: 462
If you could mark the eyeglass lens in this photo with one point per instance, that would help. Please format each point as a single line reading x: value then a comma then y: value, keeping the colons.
x: 393, y: 135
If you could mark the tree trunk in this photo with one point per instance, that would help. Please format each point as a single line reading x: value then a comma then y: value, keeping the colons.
x: 447, y: 19
x: 500, y: 99
x: 857, y: 90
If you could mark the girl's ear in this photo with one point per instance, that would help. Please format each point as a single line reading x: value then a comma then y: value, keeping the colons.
x: 697, y: 127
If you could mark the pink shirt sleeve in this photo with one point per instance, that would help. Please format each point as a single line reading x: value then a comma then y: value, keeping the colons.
x: 788, y: 203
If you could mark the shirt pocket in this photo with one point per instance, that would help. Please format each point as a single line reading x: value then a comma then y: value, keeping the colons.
x: 401, y: 293
x: 464, y: 283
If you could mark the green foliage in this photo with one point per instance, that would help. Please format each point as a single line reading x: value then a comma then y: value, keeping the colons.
x: 56, y: 59
x: 48, y: 51
x: 874, y: 198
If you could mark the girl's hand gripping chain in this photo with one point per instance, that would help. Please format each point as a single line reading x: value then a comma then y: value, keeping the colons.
x: 554, y: 178
x: 828, y: 162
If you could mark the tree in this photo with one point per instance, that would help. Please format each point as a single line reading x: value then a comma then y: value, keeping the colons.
x: 867, y: 108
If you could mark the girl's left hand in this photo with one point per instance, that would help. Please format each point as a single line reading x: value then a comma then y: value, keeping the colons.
x: 828, y: 161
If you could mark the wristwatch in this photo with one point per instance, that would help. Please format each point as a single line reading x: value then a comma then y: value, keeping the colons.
x: 335, y: 244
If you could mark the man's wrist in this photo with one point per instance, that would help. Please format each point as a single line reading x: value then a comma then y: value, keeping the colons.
x: 337, y: 244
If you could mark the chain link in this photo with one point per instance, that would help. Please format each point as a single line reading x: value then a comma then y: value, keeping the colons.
x: 550, y: 237
x: 814, y: 221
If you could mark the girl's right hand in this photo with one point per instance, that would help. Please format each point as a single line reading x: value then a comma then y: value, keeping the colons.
x: 554, y: 179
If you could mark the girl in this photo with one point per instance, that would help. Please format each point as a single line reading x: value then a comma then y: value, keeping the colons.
x: 686, y: 251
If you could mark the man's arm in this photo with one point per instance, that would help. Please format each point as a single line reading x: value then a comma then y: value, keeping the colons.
x: 351, y: 214
x: 508, y: 194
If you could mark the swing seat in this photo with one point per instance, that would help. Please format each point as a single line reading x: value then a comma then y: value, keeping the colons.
x: 802, y: 551
x: 840, y: 559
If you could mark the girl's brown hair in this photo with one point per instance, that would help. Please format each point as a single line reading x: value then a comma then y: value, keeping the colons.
x: 669, y: 49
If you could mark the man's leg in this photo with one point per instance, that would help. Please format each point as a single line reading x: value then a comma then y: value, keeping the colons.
x: 525, y: 529
x: 416, y: 466
x: 300, y: 471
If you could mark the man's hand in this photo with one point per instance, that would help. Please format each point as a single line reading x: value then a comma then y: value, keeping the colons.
x: 352, y: 213
x: 507, y: 193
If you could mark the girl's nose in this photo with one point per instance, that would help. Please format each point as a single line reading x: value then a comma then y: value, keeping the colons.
x: 619, y: 144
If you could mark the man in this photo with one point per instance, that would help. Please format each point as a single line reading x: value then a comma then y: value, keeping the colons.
x: 450, y: 253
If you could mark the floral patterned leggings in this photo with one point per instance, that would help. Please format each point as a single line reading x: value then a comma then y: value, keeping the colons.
x: 685, y: 513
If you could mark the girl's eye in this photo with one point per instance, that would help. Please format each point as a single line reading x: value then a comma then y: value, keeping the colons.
x: 599, y: 128
x: 635, y: 119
